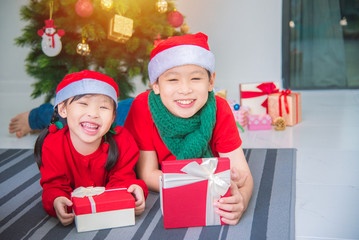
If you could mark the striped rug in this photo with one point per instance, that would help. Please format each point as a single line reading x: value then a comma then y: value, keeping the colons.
x: 270, y: 214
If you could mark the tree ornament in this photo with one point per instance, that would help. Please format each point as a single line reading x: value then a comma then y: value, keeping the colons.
x: 83, y: 48
x: 120, y: 28
x: 161, y: 6
x: 175, y: 18
x: 84, y: 8
x: 185, y: 28
x: 51, y: 44
x: 106, y: 4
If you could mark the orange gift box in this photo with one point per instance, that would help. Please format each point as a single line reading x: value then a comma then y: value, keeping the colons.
x: 188, y: 189
x: 286, y: 105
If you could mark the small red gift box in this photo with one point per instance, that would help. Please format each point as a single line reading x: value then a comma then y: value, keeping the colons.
x: 255, y: 96
x: 188, y: 189
x: 286, y: 105
x: 97, y: 208
x: 259, y: 122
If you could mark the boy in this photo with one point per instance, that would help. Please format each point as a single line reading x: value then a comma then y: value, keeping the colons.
x: 182, y: 119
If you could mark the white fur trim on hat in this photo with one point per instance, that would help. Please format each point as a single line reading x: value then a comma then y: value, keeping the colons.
x: 85, y: 86
x: 178, y: 56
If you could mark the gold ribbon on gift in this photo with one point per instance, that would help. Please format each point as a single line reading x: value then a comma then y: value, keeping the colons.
x: 218, y: 184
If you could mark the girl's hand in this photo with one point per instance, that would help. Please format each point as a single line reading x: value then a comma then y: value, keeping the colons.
x: 137, y: 192
x: 60, y: 206
x: 230, y: 209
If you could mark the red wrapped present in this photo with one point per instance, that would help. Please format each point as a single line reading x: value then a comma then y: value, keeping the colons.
x: 96, y: 208
x: 286, y: 105
x: 190, y: 187
x: 255, y: 96
x: 259, y: 122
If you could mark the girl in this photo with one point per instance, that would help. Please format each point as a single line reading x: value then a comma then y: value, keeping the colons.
x: 88, y: 151
x: 182, y: 119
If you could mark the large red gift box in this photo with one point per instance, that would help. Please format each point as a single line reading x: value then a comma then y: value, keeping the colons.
x: 97, y: 208
x: 255, y: 96
x: 189, y: 188
x: 286, y: 105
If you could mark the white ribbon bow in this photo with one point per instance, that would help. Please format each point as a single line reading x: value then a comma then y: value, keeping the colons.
x: 218, y: 184
x: 81, y: 192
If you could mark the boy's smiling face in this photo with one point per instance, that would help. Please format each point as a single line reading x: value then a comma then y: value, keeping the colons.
x: 184, y: 89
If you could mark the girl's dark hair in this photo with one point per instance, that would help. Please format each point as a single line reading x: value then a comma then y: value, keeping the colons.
x: 41, y: 138
x: 112, y: 156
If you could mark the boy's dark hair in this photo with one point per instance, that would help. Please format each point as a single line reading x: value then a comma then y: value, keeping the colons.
x: 112, y: 156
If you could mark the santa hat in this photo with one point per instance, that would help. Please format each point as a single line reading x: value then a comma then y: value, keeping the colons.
x: 180, y: 50
x: 86, y: 82
x: 49, y: 24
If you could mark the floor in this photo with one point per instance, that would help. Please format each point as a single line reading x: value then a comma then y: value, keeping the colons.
x: 327, y: 197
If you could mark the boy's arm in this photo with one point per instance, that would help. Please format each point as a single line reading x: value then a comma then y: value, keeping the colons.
x: 241, y: 189
x: 148, y: 169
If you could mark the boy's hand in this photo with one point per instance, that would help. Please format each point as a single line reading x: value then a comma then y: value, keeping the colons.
x: 230, y: 209
x: 137, y: 192
x: 238, y: 179
x: 60, y: 206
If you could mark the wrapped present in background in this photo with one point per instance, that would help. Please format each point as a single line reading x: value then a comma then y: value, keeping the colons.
x: 240, y: 113
x: 286, y: 105
x: 96, y: 208
x: 120, y: 29
x: 255, y: 96
x: 221, y: 93
x: 259, y: 122
x: 188, y: 189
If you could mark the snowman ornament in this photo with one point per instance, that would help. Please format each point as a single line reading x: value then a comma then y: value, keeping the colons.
x: 51, y: 39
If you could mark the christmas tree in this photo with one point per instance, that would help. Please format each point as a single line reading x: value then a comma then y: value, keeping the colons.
x: 88, y: 22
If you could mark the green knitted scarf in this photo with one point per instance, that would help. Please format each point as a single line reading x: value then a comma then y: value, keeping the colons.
x: 186, y: 138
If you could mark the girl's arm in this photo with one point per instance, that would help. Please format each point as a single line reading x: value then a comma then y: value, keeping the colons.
x: 123, y: 173
x: 241, y: 188
x: 148, y: 169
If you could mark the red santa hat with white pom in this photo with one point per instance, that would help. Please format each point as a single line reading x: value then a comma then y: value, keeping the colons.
x: 86, y: 82
x: 178, y: 51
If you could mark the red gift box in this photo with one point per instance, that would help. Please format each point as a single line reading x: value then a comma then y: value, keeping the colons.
x: 97, y: 208
x: 189, y: 189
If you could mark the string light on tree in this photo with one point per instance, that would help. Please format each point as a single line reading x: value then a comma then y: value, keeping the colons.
x: 161, y: 6
x: 84, y: 8
x: 106, y: 4
x: 83, y: 48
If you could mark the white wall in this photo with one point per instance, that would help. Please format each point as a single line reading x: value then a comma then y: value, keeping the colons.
x: 245, y: 37
x: 15, y: 84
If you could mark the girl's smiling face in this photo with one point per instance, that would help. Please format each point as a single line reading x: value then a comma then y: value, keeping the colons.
x: 184, y: 89
x: 89, y: 118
